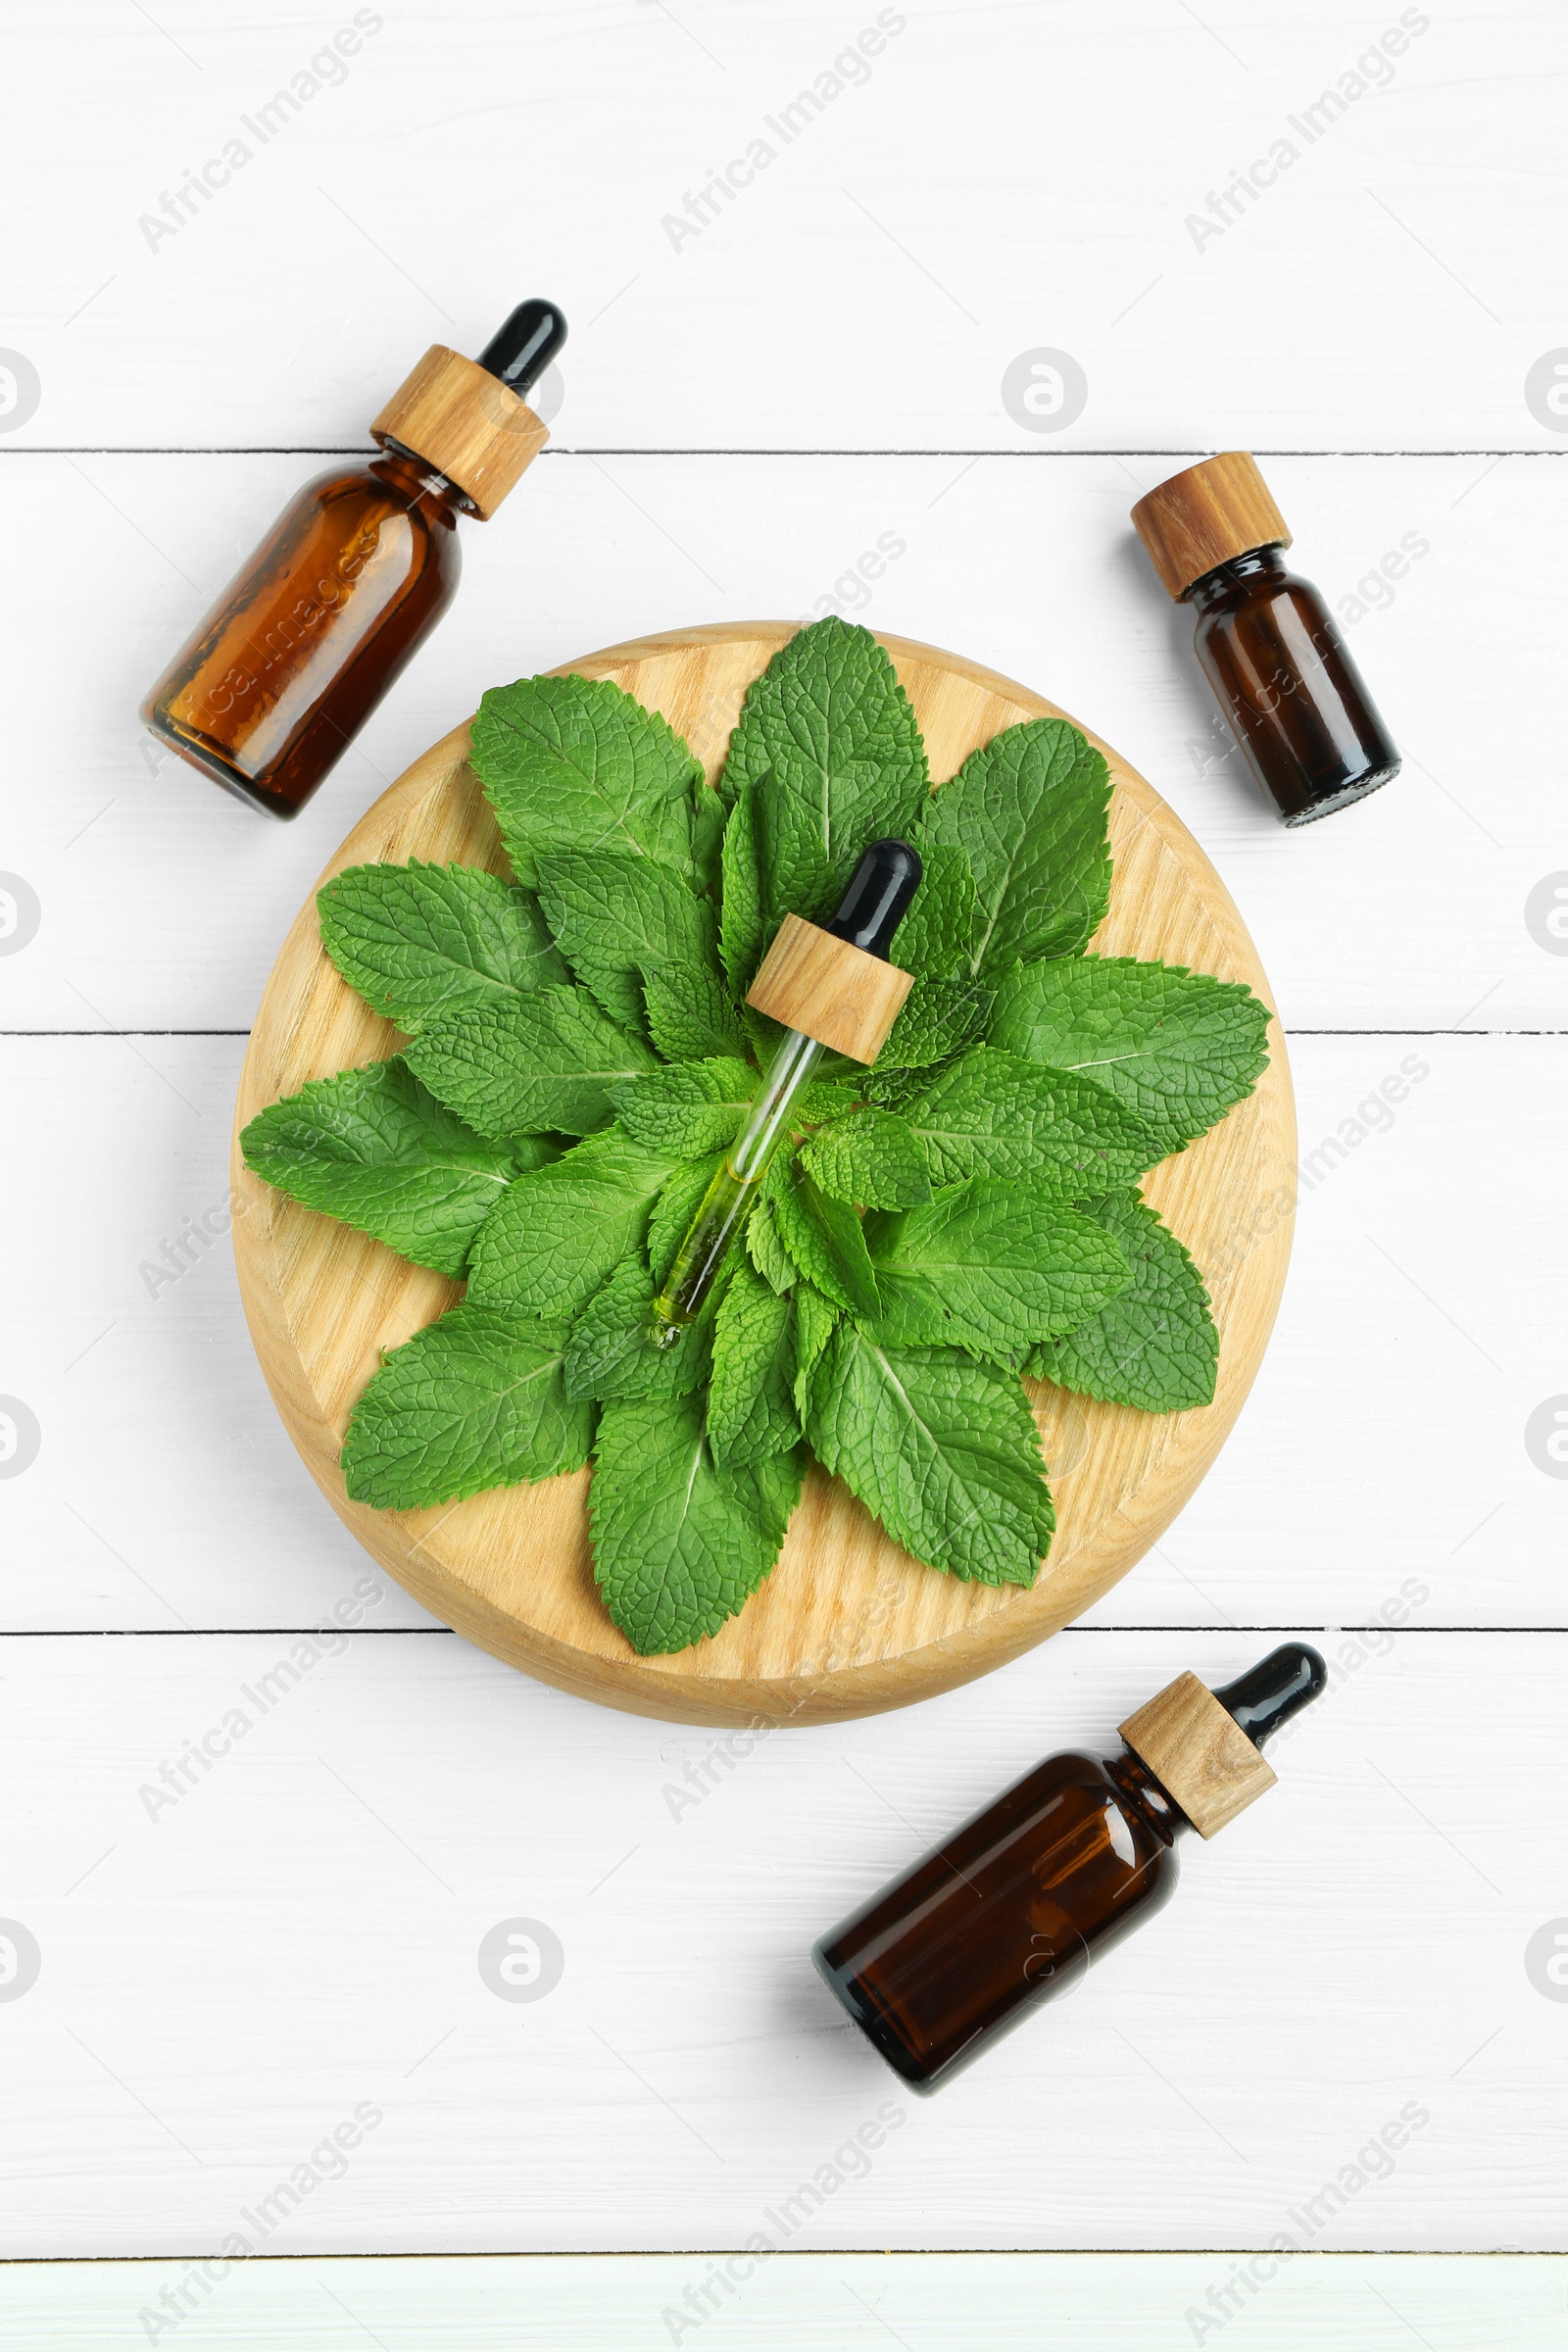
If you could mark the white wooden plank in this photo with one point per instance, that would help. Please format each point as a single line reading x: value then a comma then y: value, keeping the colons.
x: 994, y: 180
x: 163, y: 1485
x: 164, y: 902
x: 940, y: 2303
x: 294, y: 1939
x: 224, y: 1982
x: 1384, y: 1444
x: 1383, y: 1449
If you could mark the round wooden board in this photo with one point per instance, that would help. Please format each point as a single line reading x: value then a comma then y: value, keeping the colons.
x: 846, y: 1623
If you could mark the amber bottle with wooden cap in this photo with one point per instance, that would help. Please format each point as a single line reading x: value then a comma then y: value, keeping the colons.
x: 834, y: 989
x: 1266, y: 640
x: 1015, y: 1907
x: 305, y: 641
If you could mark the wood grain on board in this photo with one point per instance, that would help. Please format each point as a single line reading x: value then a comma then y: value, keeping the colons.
x: 846, y: 1623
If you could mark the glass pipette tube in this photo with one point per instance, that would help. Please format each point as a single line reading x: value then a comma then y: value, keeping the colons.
x: 729, y: 1198
x: 870, y: 912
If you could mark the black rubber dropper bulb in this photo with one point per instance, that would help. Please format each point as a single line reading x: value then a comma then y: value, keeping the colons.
x: 877, y: 898
x: 1277, y: 1687
x: 522, y: 348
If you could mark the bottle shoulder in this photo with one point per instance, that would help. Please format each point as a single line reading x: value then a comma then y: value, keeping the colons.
x: 1077, y: 1784
x: 381, y: 488
x: 1231, y: 600
x: 1129, y: 1819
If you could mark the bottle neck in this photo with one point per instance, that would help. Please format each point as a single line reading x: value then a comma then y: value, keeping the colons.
x: 1144, y: 1795
x: 419, y: 482
x: 1238, y: 575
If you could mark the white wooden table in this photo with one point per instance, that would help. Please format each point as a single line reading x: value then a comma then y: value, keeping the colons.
x: 747, y: 405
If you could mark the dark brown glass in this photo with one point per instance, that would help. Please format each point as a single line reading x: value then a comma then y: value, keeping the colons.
x: 1301, y: 711
x: 306, y: 640
x: 1007, y: 1914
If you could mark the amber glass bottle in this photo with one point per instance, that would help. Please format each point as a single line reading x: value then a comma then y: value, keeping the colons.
x: 308, y: 637
x: 1266, y: 640
x: 1017, y: 1904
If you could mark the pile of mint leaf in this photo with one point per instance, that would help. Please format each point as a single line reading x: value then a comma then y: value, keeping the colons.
x: 580, y: 1055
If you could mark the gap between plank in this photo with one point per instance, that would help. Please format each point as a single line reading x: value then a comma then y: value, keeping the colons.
x: 445, y: 1633
x: 358, y: 449
x: 1410, y: 1031
x: 21, y: 2261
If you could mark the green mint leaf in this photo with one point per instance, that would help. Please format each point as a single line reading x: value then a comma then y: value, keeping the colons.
x: 764, y: 1037
x: 832, y: 733
x: 993, y: 1269
x: 620, y: 920
x: 937, y: 935
x: 708, y: 812
x: 1030, y: 808
x: 472, y: 1402
x: 763, y: 1240
x: 795, y: 871
x: 623, y: 912
x: 896, y: 1089
x: 417, y: 939
x: 680, y: 1542
x: 995, y: 1114
x: 941, y: 1449
x: 751, y: 1409
x: 740, y: 924
x: 938, y: 1019
x: 545, y: 1061
x: 618, y: 991
x: 1176, y: 1048
x: 872, y: 1157
x: 1154, y: 1345
x: 824, y: 1241
x: 375, y: 1149
x: 823, y: 1099
x: 679, y: 1199
x: 688, y: 1110
x: 815, y: 1320
x: 611, y: 1354
x: 690, y: 1017
x: 573, y: 764
x: 557, y: 1235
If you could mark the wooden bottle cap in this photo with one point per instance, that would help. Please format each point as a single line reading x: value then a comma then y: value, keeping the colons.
x: 1199, y: 1753
x: 1209, y: 514
x: 833, y: 991
x: 466, y: 423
